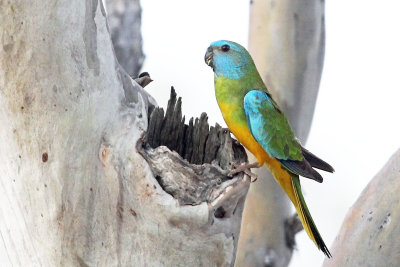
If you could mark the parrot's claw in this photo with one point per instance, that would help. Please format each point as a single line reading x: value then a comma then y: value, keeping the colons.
x: 245, y: 167
x: 252, y: 175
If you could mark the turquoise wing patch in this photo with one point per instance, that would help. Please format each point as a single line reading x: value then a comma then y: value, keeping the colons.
x: 270, y: 128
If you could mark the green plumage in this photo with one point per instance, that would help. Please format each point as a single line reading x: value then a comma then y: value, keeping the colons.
x: 270, y: 127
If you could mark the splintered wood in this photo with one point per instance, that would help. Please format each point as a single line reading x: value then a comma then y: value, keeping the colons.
x: 197, y: 142
x: 195, y: 157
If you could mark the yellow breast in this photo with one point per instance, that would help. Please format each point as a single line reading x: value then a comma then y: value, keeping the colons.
x: 241, y: 131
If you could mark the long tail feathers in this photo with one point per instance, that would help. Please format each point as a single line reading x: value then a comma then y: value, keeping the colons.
x: 305, y: 217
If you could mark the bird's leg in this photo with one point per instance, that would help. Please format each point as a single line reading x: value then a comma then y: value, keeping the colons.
x: 245, y: 167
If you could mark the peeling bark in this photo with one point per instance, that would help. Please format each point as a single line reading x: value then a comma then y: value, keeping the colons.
x: 287, y: 41
x: 369, y: 234
x: 73, y: 186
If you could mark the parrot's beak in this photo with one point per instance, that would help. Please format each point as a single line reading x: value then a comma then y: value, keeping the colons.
x: 208, y: 57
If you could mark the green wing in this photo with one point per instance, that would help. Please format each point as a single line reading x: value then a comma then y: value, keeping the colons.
x: 272, y: 131
x: 270, y: 127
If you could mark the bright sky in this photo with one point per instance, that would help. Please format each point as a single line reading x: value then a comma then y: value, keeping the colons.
x: 356, y: 122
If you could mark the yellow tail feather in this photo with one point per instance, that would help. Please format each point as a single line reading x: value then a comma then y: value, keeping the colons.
x: 306, y: 219
x: 302, y: 216
x: 291, y: 185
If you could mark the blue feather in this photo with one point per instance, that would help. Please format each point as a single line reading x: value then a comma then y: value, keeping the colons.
x: 253, y: 101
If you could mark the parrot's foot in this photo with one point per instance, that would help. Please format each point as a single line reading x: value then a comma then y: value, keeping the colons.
x: 245, y: 167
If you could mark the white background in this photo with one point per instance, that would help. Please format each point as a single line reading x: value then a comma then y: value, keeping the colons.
x: 356, y: 122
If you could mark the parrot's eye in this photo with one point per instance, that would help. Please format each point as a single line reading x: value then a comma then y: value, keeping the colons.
x: 225, y: 48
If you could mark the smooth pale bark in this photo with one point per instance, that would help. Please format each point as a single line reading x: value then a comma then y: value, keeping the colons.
x: 124, y: 20
x: 370, y: 233
x: 74, y: 191
x: 287, y: 43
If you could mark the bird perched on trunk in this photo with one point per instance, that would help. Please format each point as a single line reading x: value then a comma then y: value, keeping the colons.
x: 258, y: 123
x: 144, y: 79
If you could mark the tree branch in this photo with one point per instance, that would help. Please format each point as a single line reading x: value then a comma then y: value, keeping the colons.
x: 369, y: 234
x: 73, y: 187
x: 124, y: 20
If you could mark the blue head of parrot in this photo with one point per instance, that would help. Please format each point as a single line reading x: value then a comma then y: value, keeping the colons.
x: 228, y: 59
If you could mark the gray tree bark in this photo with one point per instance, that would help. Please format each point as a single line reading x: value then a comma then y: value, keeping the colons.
x: 79, y: 186
x: 369, y: 234
x: 124, y: 20
x: 287, y: 41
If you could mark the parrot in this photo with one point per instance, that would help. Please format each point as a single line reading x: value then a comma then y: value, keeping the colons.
x: 258, y: 123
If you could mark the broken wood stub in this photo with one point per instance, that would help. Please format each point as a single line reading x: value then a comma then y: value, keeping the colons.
x: 196, y: 142
x: 190, y: 184
x: 190, y: 161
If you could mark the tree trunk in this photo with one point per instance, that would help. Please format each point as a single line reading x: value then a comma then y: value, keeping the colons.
x: 287, y: 41
x: 124, y: 20
x: 79, y: 185
x: 369, y: 234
